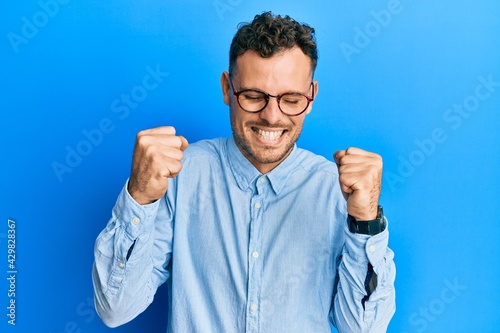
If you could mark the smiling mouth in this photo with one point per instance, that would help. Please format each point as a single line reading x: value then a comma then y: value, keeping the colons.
x: 268, y: 135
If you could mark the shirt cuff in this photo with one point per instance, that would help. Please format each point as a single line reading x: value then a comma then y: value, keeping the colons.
x: 135, y: 218
x: 365, y: 248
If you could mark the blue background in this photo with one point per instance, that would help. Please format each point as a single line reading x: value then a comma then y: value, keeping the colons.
x: 387, y: 84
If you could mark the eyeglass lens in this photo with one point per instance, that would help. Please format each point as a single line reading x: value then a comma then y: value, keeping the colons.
x: 255, y: 101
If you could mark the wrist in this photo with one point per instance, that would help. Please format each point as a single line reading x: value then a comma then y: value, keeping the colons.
x: 137, y: 194
x: 367, y: 227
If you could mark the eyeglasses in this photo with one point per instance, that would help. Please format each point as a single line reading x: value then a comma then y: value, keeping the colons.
x: 290, y: 104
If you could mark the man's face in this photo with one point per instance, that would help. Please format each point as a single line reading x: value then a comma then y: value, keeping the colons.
x: 267, y: 138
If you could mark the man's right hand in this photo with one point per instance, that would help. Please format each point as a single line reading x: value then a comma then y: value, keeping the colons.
x: 157, y: 156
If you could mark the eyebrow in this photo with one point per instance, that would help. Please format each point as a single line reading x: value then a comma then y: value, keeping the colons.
x: 286, y: 92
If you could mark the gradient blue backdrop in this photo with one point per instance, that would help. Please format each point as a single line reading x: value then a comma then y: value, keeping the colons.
x: 393, y: 77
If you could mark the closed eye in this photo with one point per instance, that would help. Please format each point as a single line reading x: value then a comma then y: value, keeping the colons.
x: 254, y: 97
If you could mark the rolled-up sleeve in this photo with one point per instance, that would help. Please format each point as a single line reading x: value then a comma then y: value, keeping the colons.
x: 131, y: 258
x: 352, y: 311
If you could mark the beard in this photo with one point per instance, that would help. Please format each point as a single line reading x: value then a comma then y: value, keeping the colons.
x: 242, y: 133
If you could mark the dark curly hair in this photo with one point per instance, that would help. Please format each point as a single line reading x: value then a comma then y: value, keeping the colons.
x: 269, y: 34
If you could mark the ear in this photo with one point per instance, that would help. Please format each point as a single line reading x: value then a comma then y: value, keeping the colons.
x: 315, y: 85
x: 226, y: 90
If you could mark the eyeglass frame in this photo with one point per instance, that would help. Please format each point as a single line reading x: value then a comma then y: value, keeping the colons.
x: 268, y: 96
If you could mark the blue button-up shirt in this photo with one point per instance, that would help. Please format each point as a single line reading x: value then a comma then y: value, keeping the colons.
x: 244, y: 251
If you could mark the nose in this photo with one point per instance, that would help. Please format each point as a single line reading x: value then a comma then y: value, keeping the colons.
x: 272, y: 112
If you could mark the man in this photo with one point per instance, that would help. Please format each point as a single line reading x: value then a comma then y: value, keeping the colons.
x: 252, y: 233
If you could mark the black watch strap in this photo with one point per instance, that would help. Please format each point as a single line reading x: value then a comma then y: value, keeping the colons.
x: 369, y: 227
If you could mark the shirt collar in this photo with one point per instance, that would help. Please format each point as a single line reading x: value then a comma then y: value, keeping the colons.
x: 246, y: 174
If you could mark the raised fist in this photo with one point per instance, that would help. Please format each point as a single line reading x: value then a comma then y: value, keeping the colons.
x: 157, y: 156
x: 360, y: 177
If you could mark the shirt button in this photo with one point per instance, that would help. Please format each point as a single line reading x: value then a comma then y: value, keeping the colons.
x: 372, y: 248
x: 136, y: 220
x: 258, y: 205
x: 262, y: 179
x: 255, y: 254
x: 121, y: 265
x: 253, y: 307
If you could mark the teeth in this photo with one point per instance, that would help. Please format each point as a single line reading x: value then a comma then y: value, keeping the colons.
x: 269, y: 135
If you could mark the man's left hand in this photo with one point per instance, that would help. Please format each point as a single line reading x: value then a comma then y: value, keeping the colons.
x: 360, y: 177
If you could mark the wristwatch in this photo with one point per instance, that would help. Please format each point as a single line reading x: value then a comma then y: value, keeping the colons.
x: 369, y: 227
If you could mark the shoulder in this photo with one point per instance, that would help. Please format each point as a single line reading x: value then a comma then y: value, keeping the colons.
x: 313, y: 163
x: 321, y: 177
x: 204, y: 153
x: 205, y: 148
x: 325, y: 174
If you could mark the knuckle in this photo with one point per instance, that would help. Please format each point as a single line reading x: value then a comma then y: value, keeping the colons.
x: 378, y: 159
x: 150, y: 150
x: 372, y: 169
x: 142, y: 133
x: 373, y: 172
x: 174, y: 153
x: 142, y: 139
x: 163, y: 172
x: 180, y: 155
x: 170, y: 130
x: 177, y: 142
x: 342, y: 160
x: 175, y: 166
x: 166, y: 169
x: 343, y: 179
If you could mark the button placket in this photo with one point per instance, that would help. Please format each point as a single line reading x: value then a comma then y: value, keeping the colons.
x: 257, y: 206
